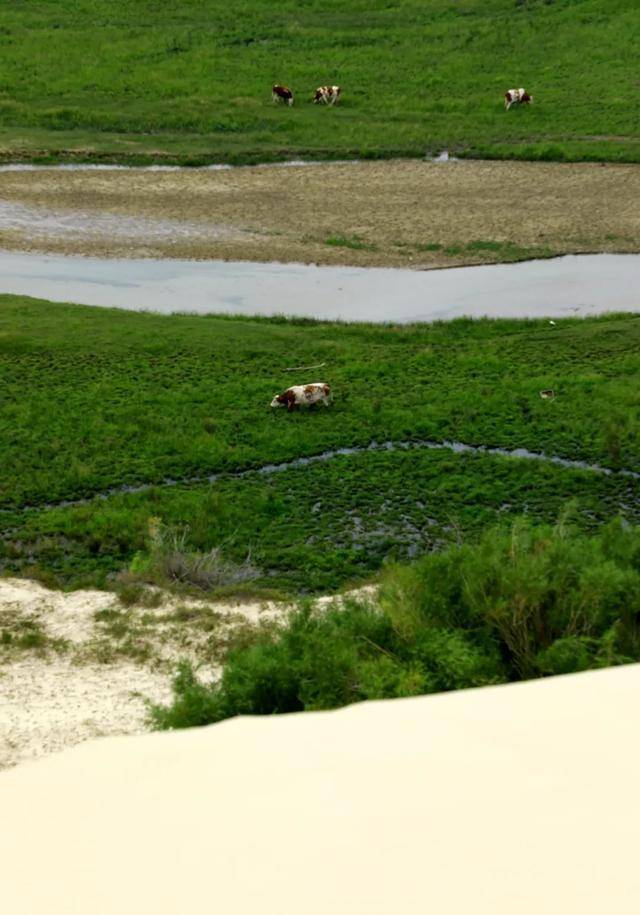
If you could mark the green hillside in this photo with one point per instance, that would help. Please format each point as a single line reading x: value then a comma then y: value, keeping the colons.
x: 190, y: 81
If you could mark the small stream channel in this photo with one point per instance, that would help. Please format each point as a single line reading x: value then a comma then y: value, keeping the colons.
x: 269, y: 469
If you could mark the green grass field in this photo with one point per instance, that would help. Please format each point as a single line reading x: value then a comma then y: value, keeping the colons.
x: 190, y: 82
x: 95, y: 398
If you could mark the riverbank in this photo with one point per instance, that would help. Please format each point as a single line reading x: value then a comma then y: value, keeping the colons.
x: 415, y: 214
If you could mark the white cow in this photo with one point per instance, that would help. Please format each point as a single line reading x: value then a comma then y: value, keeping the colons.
x: 328, y: 95
x: 516, y: 97
x: 303, y: 395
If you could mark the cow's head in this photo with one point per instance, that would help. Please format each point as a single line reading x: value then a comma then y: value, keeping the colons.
x: 280, y: 400
x: 526, y: 98
x: 318, y: 96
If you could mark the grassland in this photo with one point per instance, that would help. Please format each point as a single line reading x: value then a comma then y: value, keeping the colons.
x: 146, y: 81
x: 396, y: 214
x: 96, y: 399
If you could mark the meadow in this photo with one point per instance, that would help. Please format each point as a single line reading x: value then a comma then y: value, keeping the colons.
x: 97, y: 400
x: 145, y: 81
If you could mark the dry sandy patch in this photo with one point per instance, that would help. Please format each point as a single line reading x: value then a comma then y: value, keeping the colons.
x: 381, y: 213
x: 80, y: 665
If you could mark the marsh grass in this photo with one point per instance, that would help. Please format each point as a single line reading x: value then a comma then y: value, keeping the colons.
x: 168, y: 559
x: 20, y: 634
x: 96, y: 399
x: 319, y: 528
x: 354, y: 242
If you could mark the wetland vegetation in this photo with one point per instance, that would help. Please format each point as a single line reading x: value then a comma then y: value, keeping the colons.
x: 97, y: 399
x: 140, y: 450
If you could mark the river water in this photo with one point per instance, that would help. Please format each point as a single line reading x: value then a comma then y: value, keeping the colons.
x: 575, y: 285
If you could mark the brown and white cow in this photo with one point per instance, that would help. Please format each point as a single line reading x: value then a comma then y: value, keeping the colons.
x: 516, y: 97
x: 328, y: 95
x: 303, y: 395
x: 282, y: 94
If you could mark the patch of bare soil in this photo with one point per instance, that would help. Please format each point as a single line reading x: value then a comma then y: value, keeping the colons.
x: 80, y: 665
x: 399, y: 213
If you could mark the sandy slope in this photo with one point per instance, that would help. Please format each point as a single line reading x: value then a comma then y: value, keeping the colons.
x: 88, y: 678
x: 513, y: 799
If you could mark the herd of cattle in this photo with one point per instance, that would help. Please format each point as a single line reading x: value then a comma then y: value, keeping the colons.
x: 329, y: 95
x: 319, y: 392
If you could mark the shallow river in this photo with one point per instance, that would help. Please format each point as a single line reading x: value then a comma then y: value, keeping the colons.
x: 561, y: 287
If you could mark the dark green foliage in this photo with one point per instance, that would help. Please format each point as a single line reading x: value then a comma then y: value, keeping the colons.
x: 191, y: 82
x: 551, y: 599
x: 355, y: 242
x: 523, y: 602
x: 325, y: 660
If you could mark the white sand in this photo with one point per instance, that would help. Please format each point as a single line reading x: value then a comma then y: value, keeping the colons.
x: 59, y: 698
x: 514, y: 800
x: 56, y: 699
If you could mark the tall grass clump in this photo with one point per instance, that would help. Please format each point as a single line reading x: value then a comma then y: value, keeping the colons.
x: 168, y: 559
x: 522, y: 602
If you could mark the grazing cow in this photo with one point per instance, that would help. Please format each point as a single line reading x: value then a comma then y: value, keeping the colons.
x: 516, y: 97
x: 299, y: 394
x: 282, y: 94
x: 328, y: 95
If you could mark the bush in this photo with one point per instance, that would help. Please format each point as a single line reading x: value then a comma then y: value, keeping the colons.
x: 327, y: 659
x: 548, y: 598
x: 522, y: 602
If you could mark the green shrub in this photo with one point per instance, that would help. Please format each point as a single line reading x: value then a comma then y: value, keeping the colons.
x: 526, y: 589
x: 522, y: 602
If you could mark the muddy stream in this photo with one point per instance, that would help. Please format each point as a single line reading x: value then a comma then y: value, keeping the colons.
x: 573, y: 285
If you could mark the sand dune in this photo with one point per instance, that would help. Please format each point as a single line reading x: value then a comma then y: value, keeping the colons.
x: 514, y: 799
